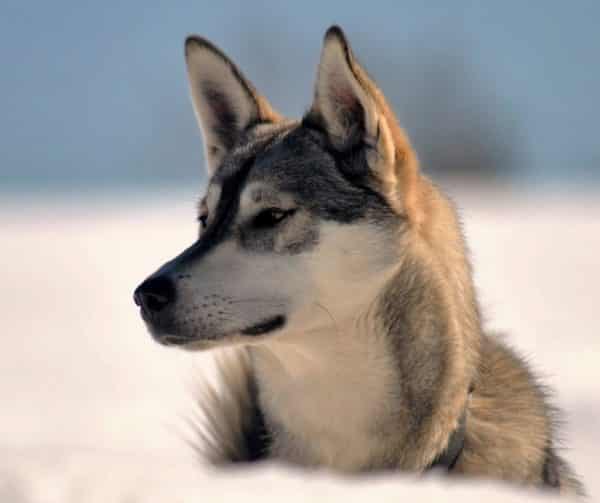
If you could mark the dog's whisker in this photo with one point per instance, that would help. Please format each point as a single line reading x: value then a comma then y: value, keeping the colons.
x: 333, y: 320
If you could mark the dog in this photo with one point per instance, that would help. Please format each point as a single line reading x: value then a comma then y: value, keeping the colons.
x: 338, y: 274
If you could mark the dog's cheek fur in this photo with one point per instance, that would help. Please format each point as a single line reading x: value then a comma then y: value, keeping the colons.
x: 345, y: 271
x: 297, y: 234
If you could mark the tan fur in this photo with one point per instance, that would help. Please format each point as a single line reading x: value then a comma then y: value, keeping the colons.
x: 510, y: 422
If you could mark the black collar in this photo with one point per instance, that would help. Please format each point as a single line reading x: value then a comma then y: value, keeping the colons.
x: 448, y: 458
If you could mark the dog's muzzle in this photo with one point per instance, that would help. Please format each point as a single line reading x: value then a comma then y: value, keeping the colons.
x: 157, y: 297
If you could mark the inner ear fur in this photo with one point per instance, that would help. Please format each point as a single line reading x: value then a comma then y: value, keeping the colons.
x: 225, y: 102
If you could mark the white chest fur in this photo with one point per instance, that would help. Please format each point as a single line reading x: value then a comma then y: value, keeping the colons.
x: 327, y: 394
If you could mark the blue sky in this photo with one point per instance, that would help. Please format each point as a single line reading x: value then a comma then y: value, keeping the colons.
x: 94, y: 93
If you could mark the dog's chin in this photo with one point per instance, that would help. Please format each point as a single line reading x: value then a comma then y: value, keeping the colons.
x: 201, y: 342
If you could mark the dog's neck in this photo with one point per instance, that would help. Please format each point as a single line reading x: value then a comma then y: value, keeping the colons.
x: 327, y: 394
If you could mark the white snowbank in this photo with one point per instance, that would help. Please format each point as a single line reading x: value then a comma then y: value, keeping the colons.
x: 92, y: 409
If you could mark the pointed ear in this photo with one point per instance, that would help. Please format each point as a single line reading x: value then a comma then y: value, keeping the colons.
x: 353, y: 112
x: 226, y: 104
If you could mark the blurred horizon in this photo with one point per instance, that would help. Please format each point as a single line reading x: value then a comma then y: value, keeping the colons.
x: 96, y: 96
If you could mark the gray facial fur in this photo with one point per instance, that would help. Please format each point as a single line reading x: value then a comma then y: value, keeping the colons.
x: 325, y: 185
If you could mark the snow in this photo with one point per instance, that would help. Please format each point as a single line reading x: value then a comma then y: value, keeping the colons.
x: 94, y: 410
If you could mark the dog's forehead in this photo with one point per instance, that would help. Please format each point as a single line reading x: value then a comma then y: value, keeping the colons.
x: 237, y: 163
x: 282, y: 158
x: 292, y: 159
x: 293, y: 163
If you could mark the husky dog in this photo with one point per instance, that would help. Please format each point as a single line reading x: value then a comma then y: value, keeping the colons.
x: 339, y: 273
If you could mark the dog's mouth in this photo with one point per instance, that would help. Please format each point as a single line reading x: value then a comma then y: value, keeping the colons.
x: 265, y: 326
x: 171, y: 337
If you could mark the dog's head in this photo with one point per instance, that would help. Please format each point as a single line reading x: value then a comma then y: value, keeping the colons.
x: 302, y: 221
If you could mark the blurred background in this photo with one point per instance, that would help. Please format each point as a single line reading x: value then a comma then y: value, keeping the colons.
x: 101, y: 164
x: 95, y: 93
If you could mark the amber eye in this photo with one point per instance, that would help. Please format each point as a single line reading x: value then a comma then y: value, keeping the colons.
x: 203, y: 213
x: 271, y: 217
x: 203, y: 219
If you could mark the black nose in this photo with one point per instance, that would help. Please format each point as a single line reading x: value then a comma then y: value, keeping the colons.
x: 155, y: 294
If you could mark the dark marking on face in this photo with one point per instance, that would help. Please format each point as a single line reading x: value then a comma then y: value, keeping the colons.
x: 218, y: 228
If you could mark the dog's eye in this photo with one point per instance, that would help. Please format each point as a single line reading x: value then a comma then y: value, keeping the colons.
x: 270, y: 217
x: 203, y: 219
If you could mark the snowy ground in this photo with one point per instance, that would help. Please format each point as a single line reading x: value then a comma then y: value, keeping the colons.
x: 92, y: 409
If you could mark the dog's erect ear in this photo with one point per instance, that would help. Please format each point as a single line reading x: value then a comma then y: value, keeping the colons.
x: 353, y: 112
x: 226, y: 104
